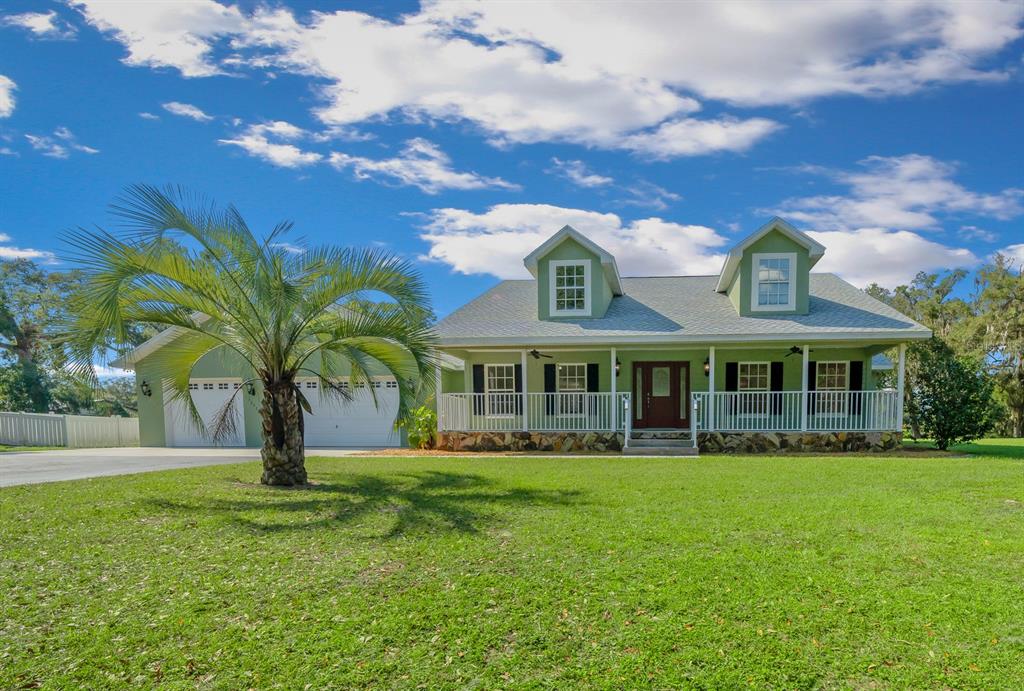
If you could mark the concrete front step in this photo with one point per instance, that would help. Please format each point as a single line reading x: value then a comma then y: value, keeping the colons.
x: 633, y: 450
x: 678, y: 443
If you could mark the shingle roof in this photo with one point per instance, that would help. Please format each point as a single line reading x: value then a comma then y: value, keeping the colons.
x: 674, y: 309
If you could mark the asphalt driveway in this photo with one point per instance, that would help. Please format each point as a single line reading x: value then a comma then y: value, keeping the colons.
x: 33, y: 467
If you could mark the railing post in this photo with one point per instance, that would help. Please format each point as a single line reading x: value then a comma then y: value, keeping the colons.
x: 522, y: 365
x: 900, y: 380
x: 711, y: 388
x: 693, y: 419
x: 437, y: 395
x: 804, y: 401
x: 615, y: 408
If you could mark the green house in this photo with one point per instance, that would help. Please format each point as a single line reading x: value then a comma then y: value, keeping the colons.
x: 765, y: 355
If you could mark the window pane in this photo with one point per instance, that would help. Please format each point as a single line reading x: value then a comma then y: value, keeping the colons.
x: 661, y: 381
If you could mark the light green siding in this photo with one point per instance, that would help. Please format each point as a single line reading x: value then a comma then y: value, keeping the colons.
x: 601, y: 291
x: 792, y: 365
x: 740, y: 290
x: 218, y: 364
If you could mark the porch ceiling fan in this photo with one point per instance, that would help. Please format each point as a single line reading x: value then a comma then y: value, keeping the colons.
x: 796, y: 350
x: 537, y: 355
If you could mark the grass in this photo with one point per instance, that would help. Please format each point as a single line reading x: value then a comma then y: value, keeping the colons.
x: 717, y: 572
x: 4, y: 448
x: 1012, y: 448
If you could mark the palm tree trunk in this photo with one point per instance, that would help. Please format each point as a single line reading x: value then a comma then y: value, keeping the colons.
x: 284, y: 453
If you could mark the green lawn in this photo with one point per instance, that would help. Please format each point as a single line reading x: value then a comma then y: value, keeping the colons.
x: 1013, y: 448
x: 715, y: 572
x: 11, y: 449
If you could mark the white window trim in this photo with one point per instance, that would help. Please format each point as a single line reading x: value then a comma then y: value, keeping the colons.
x: 755, y: 261
x: 487, y: 390
x: 558, y: 388
x: 846, y: 387
x: 746, y: 414
x: 554, y: 264
x: 768, y: 365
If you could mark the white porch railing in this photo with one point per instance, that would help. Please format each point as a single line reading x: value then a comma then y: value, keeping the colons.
x: 545, y: 412
x: 792, y: 411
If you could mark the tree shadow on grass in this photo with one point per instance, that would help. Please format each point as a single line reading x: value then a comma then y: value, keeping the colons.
x: 420, y: 502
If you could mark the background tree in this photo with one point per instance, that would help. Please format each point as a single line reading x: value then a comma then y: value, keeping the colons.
x: 277, y: 314
x: 32, y: 303
x: 952, y: 398
x: 998, y: 328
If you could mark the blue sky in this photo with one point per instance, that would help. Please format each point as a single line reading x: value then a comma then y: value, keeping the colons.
x: 461, y: 135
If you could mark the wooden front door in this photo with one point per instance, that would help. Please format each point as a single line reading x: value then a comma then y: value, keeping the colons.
x: 661, y: 391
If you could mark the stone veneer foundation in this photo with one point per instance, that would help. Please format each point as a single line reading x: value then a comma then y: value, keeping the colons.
x: 707, y: 442
x: 771, y: 442
x: 562, y: 442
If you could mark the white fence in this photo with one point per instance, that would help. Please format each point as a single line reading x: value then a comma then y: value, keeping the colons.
x: 790, y: 411
x: 73, y: 431
x: 545, y: 412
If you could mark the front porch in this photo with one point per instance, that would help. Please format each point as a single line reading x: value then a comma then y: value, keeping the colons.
x: 714, y: 398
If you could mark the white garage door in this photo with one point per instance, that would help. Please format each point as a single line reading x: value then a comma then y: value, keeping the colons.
x: 209, y: 396
x: 352, y: 423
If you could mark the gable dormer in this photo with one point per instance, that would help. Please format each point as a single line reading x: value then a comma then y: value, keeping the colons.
x: 576, y: 278
x: 768, y: 273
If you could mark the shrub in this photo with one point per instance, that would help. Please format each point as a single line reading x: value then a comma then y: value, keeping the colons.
x: 952, y: 398
x: 421, y: 426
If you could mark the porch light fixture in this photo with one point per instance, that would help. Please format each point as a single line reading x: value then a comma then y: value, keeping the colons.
x: 618, y: 367
x: 707, y: 367
x: 250, y: 389
x: 145, y: 389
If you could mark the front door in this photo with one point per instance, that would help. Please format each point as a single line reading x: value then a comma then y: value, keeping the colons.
x: 661, y: 391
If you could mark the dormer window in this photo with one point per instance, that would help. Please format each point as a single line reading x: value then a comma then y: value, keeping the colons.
x: 570, y: 287
x: 773, y: 282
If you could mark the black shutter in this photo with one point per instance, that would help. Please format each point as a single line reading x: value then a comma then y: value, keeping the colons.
x: 812, y: 383
x: 593, y: 385
x: 550, y: 386
x: 732, y: 383
x: 478, y: 387
x: 519, y: 388
x: 776, y: 385
x: 732, y: 376
x: 856, y: 384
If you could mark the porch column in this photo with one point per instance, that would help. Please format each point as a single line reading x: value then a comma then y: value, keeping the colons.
x: 711, y: 388
x: 437, y: 394
x: 803, y: 387
x: 522, y: 364
x: 615, y: 396
x: 900, y: 377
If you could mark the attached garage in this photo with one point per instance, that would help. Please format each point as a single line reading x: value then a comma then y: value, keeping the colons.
x: 356, y: 422
x: 366, y: 420
x: 209, y: 396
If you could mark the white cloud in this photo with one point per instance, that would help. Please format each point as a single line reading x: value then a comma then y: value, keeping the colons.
x: 578, y: 173
x: 8, y: 252
x: 1015, y: 253
x: 422, y: 164
x: 42, y: 24
x: 897, y: 192
x: 60, y: 145
x: 607, y: 75
x: 495, y: 241
x: 692, y: 137
x: 148, y: 116
x: 648, y: 195
x: 7, y: 88
x: 187, y: 110
x: 256, y: 140
x: 886, y: 257
x: 760, y: 52
x: 976, y: 233
x: 166, y: 33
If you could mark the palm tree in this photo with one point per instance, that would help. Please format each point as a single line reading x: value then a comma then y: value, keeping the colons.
x: 277, y: 313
